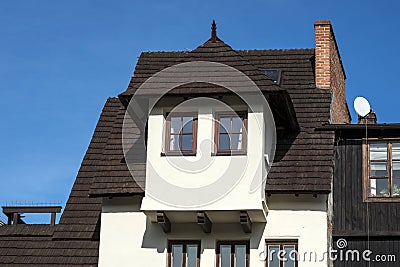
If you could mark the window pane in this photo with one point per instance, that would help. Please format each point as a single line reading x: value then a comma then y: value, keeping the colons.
x: 174, y: 142
x: 379, y: 187
x: 240, y: 256
x: 225, y: 255
x: 396, y: 151
x: 191, y: 255
x: 396, y: 187
x: 396, y: 169
x: 187, y: 141
x: 273, y: 252
x: 378, y: 151
x: 236, y: 141
x: 177, y: 252
x: 224, y: 142
x: 224, y: 125
x: 175, y: 125
x: 187, y: 125
x: 237, y: 125
x: 378, y: 169
x: 290, y: 256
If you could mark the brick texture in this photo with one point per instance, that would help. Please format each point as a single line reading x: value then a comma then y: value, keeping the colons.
x: 329, y: 71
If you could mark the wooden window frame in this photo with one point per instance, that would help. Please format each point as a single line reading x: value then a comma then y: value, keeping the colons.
x: 281, y: 243
x: 366, y: 170
x: 184, y: 244
x: 218, y: 116
x: 232, y: 243
x: 169, y: 152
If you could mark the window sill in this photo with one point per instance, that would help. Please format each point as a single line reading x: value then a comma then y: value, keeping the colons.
x: 178, y: 154
x: 230, y: 153
x: 382, y: 199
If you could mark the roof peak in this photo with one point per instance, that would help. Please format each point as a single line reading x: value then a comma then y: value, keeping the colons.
x: 213, y: 32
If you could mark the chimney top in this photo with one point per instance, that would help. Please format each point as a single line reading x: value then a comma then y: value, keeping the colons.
x: 370, y: 118
x: 322, y: 22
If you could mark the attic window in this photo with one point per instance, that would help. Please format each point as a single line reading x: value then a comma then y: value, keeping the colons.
x: 273, y: 74
x: 231, y: 133
x: 181, y: 133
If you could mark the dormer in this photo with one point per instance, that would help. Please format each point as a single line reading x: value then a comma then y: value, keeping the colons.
x: 210, y: 124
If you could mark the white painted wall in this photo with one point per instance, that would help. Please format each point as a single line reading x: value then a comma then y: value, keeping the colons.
x: 303, y: 218
x: 236, y: 181
x: 127, y: 238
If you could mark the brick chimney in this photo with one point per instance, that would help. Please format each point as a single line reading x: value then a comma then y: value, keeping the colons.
x: 329, y: 71
x: 370, y: 118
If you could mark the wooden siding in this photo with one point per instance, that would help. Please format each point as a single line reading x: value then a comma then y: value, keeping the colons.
x: 387, y: 249
x: 350, y: 212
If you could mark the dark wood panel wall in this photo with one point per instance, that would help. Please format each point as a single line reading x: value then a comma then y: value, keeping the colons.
x: 385, y: 252
x: 350, y: 212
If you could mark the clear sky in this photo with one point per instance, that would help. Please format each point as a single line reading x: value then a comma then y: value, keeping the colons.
x: 60, y: 60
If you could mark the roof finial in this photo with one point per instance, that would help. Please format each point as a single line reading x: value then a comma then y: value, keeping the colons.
x: 214, y: 32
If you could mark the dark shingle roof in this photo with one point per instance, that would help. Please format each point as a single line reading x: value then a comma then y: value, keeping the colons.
x: 304, y: 159
x: 43, y: 251
x: 113, y: 176
x: 151, y: 62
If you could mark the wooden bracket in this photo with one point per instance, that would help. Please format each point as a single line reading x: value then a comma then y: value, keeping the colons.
x: 204, y: 222
x: 163, y: 221
x: 245, y: 222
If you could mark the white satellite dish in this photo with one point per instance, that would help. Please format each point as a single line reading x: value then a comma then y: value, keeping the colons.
x: 362, y: 107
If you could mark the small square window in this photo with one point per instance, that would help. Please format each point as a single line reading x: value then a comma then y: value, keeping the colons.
x: 231, y: 132
x: 273, y: 74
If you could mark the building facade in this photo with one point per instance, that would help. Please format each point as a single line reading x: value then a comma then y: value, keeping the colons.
x: 211, y: 216
x: 211, y: 157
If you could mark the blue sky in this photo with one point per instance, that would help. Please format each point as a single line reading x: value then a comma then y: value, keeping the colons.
x: 60, y: 60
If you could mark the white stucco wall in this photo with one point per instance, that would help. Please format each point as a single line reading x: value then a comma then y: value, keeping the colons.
x: 127, y: 238
x: 243, y: 174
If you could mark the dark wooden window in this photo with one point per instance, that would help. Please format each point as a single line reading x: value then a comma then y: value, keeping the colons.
x: 381, y: 171
x: 233, y: 253
x: 183, y: 253
x: 181, y: 133
x: 231, y: 132
x: 281, y: 253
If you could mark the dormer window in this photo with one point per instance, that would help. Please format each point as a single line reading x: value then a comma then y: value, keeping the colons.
x: 231, y: 133
x: 181, y: 133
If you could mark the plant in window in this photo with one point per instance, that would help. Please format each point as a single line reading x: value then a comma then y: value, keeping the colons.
x: 384, y: 192
x: 396, y: 190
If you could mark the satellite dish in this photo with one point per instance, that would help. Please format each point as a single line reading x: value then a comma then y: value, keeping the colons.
x: 362, y: 107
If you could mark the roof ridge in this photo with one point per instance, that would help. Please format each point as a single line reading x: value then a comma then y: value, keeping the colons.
x: 279, y: 49
x: 165, y: 52
x: 237, y: 50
